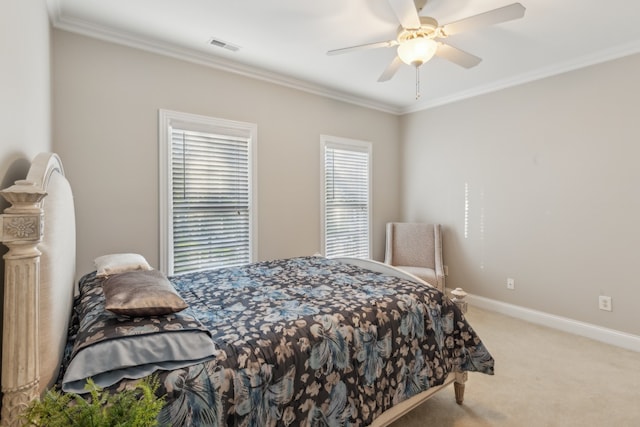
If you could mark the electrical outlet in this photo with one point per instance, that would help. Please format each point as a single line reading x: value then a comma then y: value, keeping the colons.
x: 604, y: 303
x: 511, y: 284
x: 446, y: 270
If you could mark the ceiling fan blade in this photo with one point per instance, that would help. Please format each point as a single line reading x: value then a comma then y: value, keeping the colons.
x: 390, y: 70
x: 375, y: 45
x: 495, y: 16
x: 406, y: 12
x: 457, y: 56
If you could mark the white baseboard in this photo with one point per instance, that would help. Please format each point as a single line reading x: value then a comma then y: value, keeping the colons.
x: 609, y: 336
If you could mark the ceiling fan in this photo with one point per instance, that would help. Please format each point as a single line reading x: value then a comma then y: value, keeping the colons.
x: 419, y: 38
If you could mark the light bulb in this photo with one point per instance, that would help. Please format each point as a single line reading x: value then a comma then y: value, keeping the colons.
x: 417, y: 51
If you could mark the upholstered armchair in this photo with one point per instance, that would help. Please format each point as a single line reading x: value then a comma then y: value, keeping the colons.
x: 417, y: 249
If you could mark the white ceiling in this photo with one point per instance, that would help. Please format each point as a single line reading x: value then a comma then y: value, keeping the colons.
x: 285, y: 41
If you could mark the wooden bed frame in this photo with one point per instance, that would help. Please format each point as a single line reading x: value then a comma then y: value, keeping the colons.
x: 39, y: 230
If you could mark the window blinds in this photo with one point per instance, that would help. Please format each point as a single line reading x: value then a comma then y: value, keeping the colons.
x: 346, y: 192
x: 210, y: 200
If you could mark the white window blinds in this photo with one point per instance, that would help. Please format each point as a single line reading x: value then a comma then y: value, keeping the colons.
x: 346, y: 202
x: 210, y: 198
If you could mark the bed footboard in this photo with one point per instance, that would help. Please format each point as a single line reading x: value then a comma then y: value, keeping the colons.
x: 457, y: 378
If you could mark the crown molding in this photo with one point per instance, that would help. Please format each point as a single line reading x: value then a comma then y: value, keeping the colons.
x: 541, y: 73
x: 191, y: 55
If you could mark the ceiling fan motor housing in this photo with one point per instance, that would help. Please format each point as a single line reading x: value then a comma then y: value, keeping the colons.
x: 428, y: 28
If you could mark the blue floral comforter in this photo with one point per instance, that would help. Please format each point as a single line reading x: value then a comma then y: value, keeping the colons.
x: 314, y: 342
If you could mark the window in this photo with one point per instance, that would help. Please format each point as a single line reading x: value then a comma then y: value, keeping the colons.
x: 207, y: 192
x: 346, y: 199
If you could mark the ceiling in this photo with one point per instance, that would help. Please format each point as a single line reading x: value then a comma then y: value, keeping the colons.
x: 286, y: 41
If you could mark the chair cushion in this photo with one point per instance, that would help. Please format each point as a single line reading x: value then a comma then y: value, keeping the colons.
x: 426, y: 274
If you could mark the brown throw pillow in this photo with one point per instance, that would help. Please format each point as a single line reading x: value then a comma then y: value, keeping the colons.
x: 141, y: 293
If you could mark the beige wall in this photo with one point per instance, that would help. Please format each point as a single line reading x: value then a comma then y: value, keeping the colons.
x: 25, y: 89
x: 25, y: 94
x: 106, y: 99
x: 539, y: 183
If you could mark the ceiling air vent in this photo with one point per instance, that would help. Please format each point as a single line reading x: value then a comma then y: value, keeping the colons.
x: 224, y: 45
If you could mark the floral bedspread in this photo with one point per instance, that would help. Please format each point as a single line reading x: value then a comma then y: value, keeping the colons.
x: 314, y: 342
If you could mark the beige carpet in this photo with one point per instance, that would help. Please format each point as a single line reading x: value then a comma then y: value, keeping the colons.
x: 544, y: 378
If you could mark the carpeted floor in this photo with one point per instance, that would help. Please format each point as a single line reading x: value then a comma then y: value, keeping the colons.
x: 544, y: 378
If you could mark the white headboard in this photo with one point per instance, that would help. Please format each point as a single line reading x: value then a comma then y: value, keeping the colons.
x: 39, y: 230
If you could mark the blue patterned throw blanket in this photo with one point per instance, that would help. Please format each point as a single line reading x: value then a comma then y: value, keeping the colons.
x: 314, y: 342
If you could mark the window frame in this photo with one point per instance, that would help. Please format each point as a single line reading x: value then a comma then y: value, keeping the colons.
x: 167, y: 119
x: 327, y: 141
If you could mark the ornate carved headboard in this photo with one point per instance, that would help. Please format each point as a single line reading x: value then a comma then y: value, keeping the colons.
x: 39, y: 230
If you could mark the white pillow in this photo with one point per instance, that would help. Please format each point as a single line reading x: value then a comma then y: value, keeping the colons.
x: 107, y: 265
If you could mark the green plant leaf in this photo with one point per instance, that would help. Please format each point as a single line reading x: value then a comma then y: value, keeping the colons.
x: 135, y: 407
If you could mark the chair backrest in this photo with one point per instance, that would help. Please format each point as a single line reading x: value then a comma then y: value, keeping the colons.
x: 411, y: 244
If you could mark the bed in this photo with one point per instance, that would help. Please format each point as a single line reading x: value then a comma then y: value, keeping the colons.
x: 301, y: 341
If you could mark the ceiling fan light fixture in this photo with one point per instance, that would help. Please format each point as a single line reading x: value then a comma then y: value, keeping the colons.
x: 416, y: 51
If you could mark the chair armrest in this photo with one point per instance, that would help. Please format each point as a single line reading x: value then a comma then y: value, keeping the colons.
x: 388, y: 252
x: 439, y: 263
